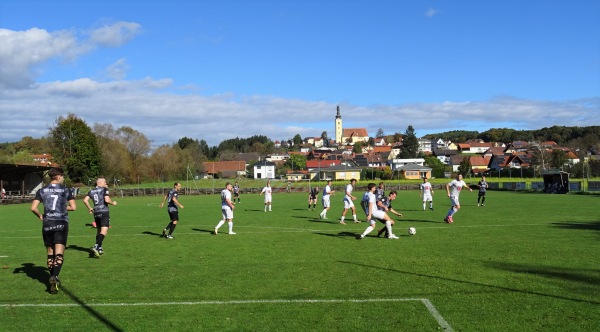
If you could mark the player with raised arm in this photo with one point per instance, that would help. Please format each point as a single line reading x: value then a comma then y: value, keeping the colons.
x: 453, y: 189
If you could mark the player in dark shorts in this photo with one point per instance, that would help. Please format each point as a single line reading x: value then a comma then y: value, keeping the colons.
x: 57, y: 200
x: 312, y: 197
x: 172, y: 204
x: 101, y: 199
x: 236, y: 193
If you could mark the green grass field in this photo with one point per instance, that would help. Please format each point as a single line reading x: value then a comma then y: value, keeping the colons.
x: 524, y: 262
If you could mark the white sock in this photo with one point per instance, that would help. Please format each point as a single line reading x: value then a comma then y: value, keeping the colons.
x: 388, y: 226
x: 354, y: 216
x: 342, y: 220
x: 368, y: 230
x: 230, y: 226
x: 220, y: 224
x: 423, y: 205
x: 269, y: 207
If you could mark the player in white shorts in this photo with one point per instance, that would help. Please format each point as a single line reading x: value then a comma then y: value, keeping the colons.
x: 369, y: 204
x: 453, y: 188
x: 348, y: 202
x: 427, y: 194
x: 327, y: 192
x: 267, y: 191
x: 226, y: 209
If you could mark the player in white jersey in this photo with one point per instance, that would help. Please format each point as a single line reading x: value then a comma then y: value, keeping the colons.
x: 267, y: 191
x: 453, y: 189
x: 327, y: 192
x: 427, y: 194
x: 369, y: 205
x: 348, y: 202
x: 226, y: 209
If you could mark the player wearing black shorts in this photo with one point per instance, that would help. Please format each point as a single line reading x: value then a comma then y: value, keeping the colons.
x: 312, y: 197
x: 172, y: 204
x: 101, y: 199
x: 57, y: 200
x: 236, y: 193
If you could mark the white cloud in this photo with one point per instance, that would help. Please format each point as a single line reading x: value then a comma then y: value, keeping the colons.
x: 116, y: 34
x: 118, y: 70
x: 431, y: 12
x: 24, y: 52
x: 165, y: 117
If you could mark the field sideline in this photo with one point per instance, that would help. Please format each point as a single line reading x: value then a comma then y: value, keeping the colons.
x: 525, y: 262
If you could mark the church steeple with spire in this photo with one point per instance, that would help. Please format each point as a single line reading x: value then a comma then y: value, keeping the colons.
x: 338, y: 126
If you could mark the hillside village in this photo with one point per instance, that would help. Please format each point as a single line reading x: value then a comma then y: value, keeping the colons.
x: 337, y: 159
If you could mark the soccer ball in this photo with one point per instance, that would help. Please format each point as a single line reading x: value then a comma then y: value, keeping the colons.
x: 412, y: 231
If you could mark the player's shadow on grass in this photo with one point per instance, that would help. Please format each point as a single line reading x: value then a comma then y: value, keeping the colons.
x: 420, y: 220
x: 479, y: 284
x: 587, y: 276
x: 252, y: 210
x: 340, y: 234
x: 302, y: 217
x: 110, y: 325
x: 586, y: 226
x: 82, y: 249
x: 203, y: 230
x: 152, y: 233
x: 34, y: 272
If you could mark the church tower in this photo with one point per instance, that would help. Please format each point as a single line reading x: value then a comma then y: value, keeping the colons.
x: 338, y: 127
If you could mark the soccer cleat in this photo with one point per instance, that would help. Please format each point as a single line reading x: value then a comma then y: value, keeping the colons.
x: 446, y: 219
x: 393, y: 237
x: 477, y: 204
x: 357, y: 221
x: 232, y: 233
x: 450, y: 220
x: 169, y: 237
x: 482, y: 204
x: 431, y: 208
x: 54, y: 284
x: 101, y: 252
x: 343, y: 223
x: 96, y: 252
x: 216, y: 231
x: 359, y: 237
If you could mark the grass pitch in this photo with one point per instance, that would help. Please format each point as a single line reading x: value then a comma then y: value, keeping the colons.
x: 524, y: 262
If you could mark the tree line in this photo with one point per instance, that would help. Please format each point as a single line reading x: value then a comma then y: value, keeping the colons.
x: 126, y: 155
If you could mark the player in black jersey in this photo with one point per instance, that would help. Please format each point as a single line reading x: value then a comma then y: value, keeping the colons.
x: 385, y: 204
x: 57, y: 200
x: 101, y: 199
x: 171, y: 198
x: 312, y: 197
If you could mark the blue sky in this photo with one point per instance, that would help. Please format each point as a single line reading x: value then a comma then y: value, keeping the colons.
x: 215, y: 70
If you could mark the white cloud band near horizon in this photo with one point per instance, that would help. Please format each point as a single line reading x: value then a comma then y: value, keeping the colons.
x: 165, y: 111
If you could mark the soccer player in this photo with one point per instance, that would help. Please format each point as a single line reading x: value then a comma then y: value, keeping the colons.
x: 453, y: 189
x: 385, y: 204
x: 380, y: 191
x: 236, y: 193
x: 172, y: 203
x: 482, y: 184
x: 427, y: 194
x: 226, y: 210
x: 101, y: 198
x: 57, y: 200
x: 326, y: 198
x: 312, y: 197
x: 348, y: 202
x: 368, y: 204
x: 267, y: 191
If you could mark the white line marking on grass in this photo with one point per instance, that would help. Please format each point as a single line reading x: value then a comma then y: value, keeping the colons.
x: 3, y: 256
x: 430, y: 307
